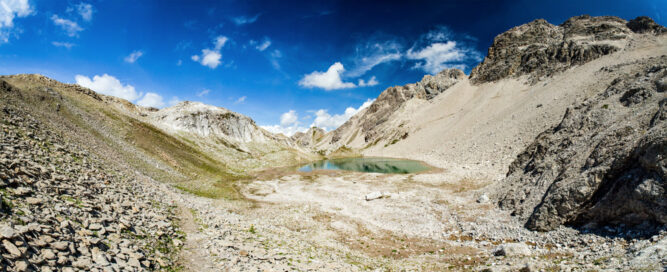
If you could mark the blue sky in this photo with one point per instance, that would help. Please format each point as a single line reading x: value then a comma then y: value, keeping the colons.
x: 286, y: 64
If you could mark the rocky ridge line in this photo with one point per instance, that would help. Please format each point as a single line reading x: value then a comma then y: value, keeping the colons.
x: 539, y: 49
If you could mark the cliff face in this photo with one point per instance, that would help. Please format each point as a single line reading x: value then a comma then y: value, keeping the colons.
x: 539, y: 49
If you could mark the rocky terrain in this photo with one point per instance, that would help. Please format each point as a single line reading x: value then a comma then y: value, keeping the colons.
x: 550, y: 156
x: 604, y: 163
x: 62, y: 209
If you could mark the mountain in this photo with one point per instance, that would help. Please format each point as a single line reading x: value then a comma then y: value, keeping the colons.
x: 561, y: 129
x: 571, y: 114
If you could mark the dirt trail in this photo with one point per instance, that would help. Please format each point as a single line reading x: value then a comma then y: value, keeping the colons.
x: 193, y: 256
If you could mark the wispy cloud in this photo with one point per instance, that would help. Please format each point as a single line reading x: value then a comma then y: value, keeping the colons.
x: 439, y: 49
x: 85, y: 10
x: 9, y: 10
x: 134, y: 56
x: 242, y: 20
x: 62, y: 44
x: 70, y: 27
x: 203, y: 92
x: 261, y: 46
x: 240, y: 100
x: 372, y: 54
x: 274, y: 58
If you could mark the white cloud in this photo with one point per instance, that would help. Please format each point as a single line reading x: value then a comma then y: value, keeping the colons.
x: 134, y: 56
x: 240, y: 100
x: 220, y: 41
x: 71, y: 27
x: 211, y: 57
x: 274, y: 57
x: 289, y: 131
x: 85, y: 10
x: 326, y: 121
x: 371, y: 82
x: 242, y: 20
x: 63, y: 44
x: 203, y: 92
x: 263, y: 46
x: 329, y: 80
x: 289, y: 118
x: 108, y: 85
x: 437, y: 50
x: 9, y: 10
x: 289, y: 124
x: 373, y: 54
x: 174, y: 100
x: 151, y: 100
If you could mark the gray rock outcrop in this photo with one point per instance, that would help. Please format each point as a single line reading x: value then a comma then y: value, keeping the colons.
x: 539, y: 49
x: 605, y: 163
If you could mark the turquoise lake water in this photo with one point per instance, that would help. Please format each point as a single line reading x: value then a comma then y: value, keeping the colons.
x: 369, y: 165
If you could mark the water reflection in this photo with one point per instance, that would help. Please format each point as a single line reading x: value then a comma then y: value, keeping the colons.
x: 372, y: 165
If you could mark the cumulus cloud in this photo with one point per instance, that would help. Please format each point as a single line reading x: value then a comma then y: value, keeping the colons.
x: 203, y: 92
x: 211, y: 57
x: 108, y: 85
x: 85, y: 10
x: 70, y: 27
x: 326, y: 121
x: 289, y: 131
x: 329, y: 80
x: 9, y: 10
x: 151, y: 100
x: 242, y: 20
x: 437, y: 50
x: 62, y: 44
x: 134, y: 56
x: 371, y: 82
x: 289, y: 124
x: 289, y: 118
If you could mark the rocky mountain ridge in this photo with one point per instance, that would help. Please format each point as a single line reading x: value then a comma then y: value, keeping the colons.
x: 539, y: 49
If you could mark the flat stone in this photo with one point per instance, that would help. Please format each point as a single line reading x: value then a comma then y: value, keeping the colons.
x: 48, y: 254
x: 33, y: 200
x: 512, y: 250
x: 95, y: 226
x: 60, y: 245
x: 7, y: 232
x: 21, y: 266
x: 11, y: 248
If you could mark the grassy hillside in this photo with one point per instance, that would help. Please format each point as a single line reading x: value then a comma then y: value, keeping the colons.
x: 112, y: 130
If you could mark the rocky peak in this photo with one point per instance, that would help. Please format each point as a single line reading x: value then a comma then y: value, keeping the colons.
x: 206, y: 120
x: 643, y: 24
x: 308, y: 138
x: 393, y: 98
x: 539, y: 49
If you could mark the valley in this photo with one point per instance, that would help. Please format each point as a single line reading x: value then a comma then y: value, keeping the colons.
x: 549, y: 156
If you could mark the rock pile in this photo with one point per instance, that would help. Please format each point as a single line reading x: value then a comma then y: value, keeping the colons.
x: 61, y: 210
